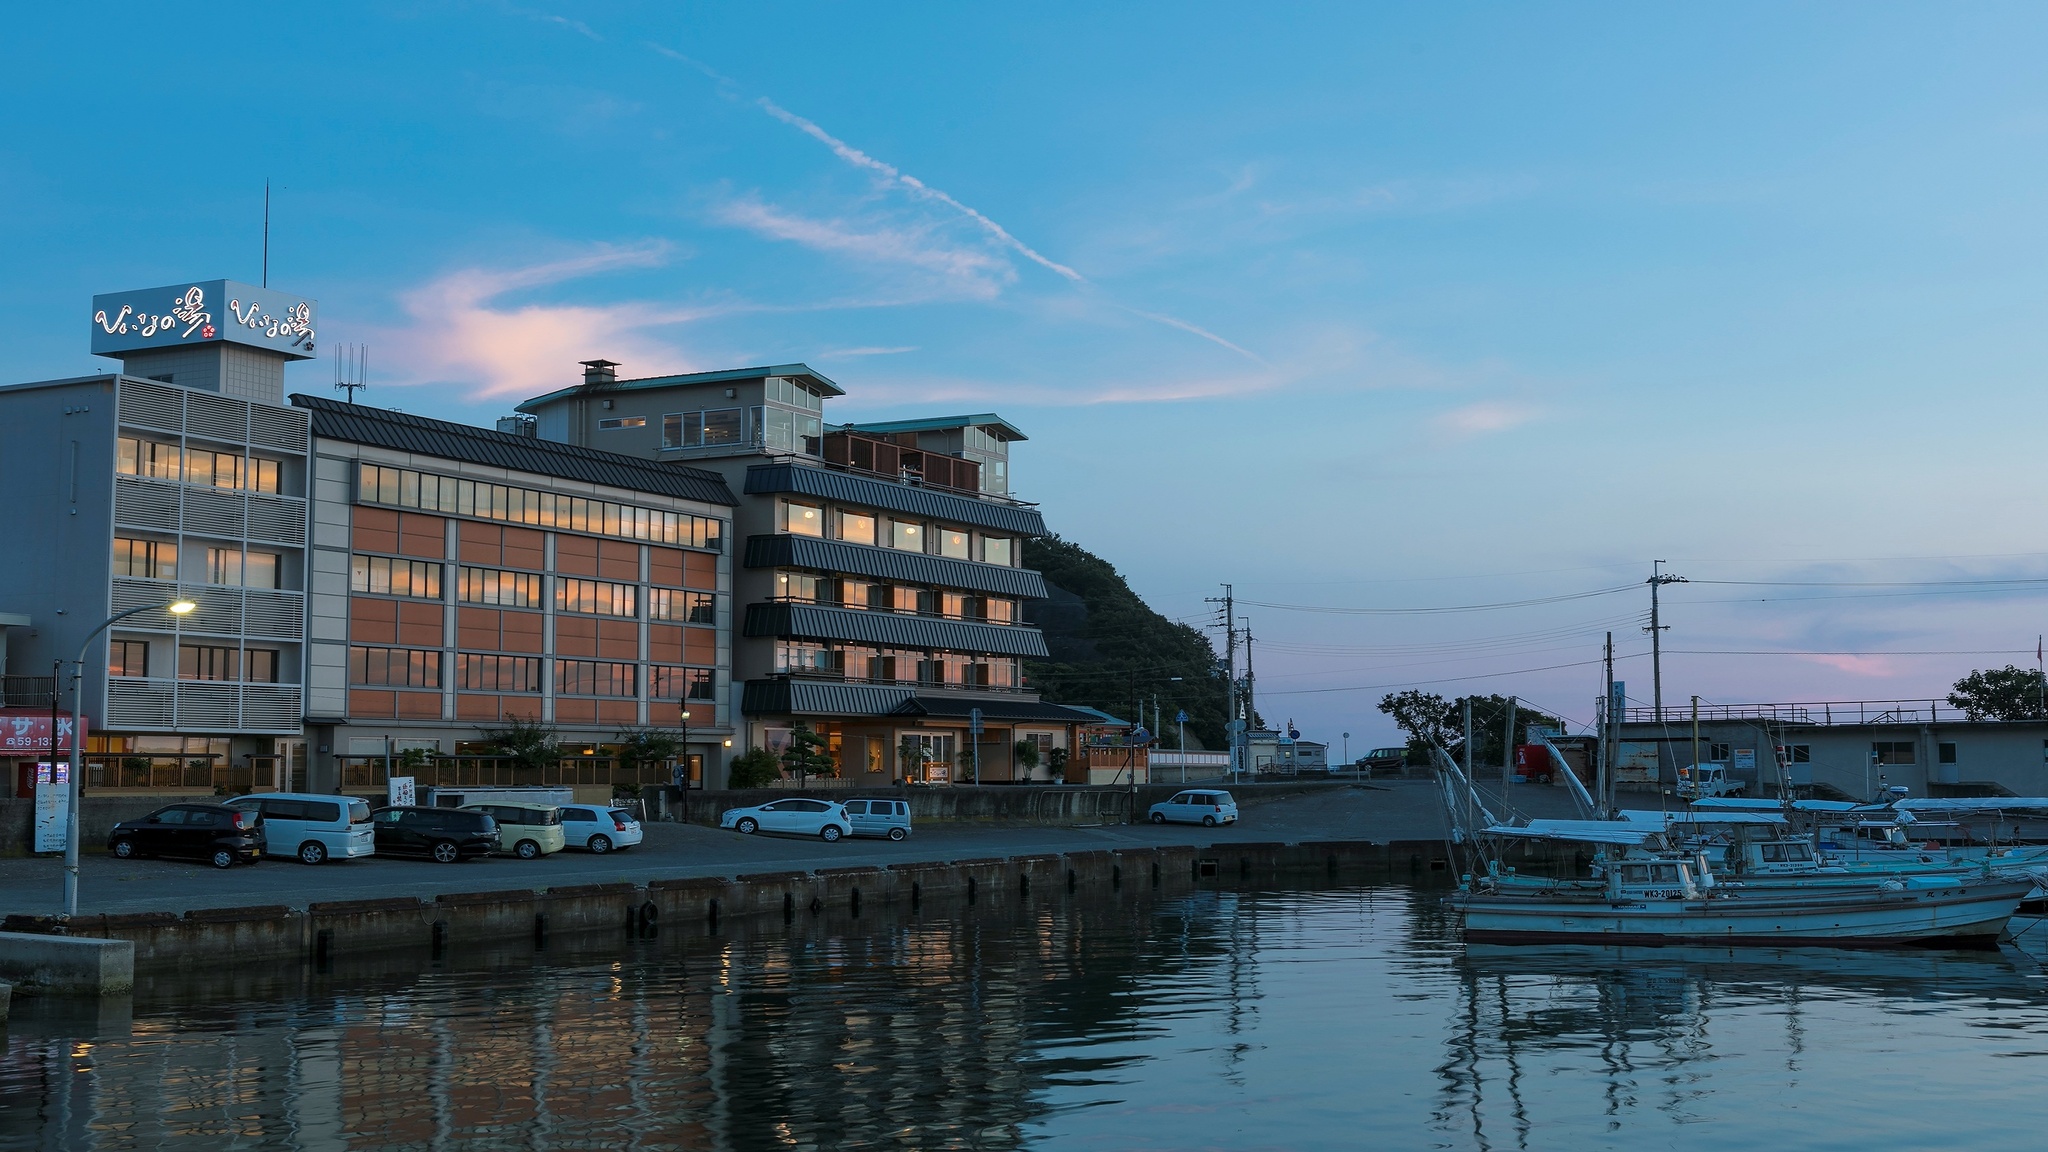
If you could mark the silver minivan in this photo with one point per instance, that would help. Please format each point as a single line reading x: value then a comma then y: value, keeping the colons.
x: 314, y: 828
x: 889, y: 818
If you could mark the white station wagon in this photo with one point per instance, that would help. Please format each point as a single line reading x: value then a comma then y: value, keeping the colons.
x: 1204, y: 806
x: 797, y: 816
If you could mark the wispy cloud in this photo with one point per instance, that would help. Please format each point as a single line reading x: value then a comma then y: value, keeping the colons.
x: 460, y: 333
x: 890, y: 174
x: 850, y: 353
x: 1483, y: 418
x: 973, y: 270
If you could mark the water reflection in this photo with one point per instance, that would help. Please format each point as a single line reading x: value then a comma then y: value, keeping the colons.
x: 1651, y: 1024
x: 917, y: 1033
x: 1297, y: 1020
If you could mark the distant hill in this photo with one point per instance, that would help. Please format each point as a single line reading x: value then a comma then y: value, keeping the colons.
x: 1109, y: 650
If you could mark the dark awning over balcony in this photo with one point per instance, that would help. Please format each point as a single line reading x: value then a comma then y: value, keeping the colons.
x: 804, y: 480
x: 892, y: 564
x: 797, y: 697
x: 960, y: 708
x: 891, y: 630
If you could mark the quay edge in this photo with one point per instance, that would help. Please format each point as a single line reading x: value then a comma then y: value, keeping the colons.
x: 159, y: 941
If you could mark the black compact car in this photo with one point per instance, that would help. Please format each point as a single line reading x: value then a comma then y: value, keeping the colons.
x: 445, y: 835
x: 219, y: 835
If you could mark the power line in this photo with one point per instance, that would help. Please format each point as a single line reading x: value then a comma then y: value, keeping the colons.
x: 1449, y: 679
x: 1343, y: 611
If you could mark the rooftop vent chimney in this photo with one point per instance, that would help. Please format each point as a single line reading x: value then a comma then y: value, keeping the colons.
x: 600, y: 372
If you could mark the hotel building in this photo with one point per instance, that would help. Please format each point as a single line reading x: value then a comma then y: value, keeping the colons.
x: 878, y: 579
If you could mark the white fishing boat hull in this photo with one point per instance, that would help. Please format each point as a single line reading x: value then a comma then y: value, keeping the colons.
x: 1926, y: 912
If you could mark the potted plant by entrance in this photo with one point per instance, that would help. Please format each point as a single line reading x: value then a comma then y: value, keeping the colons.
x: 1027, y: 760
x: 910, y: 760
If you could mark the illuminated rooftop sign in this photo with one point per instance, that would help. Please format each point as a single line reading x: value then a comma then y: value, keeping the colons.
x: 206, y: 312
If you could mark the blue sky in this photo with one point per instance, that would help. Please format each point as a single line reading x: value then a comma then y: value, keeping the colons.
x: 1354, y: 306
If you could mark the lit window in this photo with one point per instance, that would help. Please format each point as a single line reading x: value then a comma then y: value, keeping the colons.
x: 613, y: 425
x: 907, y: 535
x: 995, y: 550
x: 856, y: 528
x: 954, y: 543
x: 721, y: 426
x: 147, y: 559
x: 802, y: 519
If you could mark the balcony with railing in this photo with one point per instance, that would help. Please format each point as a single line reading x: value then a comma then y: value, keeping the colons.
x: 899, y: 458
x: 1817, y: 713
x: 27, y: 691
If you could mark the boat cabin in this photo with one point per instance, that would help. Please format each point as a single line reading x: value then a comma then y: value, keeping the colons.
x: 1658, y: 878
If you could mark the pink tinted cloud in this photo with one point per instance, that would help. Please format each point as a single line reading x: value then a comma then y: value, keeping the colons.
x: 460, y: 332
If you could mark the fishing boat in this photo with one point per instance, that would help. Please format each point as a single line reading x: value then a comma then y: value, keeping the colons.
x: 1658, y: 895
x: 1647, y: 887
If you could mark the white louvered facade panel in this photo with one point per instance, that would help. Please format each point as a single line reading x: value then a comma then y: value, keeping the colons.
x: 273, y: 615
x: 202, y: 705
x: 216, y: 417
x: 277, y: 519
x: 138, y: 703
x: 145, y: 504
x: 285, y: 429
x: 130, y: 593
x: 271, y: 708
x: 215, y: 512
x: 219, y: 612
x: 151, y: 406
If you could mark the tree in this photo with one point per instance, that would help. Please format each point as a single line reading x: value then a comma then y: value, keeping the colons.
x: 1056, y: 761
x: 807, y: 754
x: 755, y: 769
x: 528, y: 743
x: 910, y: 758
x: 2006, y: 693
x: 1027, y: 756
x: 641, y: 746
x: 1428, y: 718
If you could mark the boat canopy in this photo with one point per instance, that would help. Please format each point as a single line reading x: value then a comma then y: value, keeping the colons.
x: 1583, y: 831
x: 1739, y: 804
x: 1646, y: 818
x: 1961, y: 804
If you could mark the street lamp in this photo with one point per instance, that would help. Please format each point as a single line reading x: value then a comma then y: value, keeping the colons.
x: 175, y: 608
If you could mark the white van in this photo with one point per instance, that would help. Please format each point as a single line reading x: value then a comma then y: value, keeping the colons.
x: 314, y: 828
x: 889, y: 818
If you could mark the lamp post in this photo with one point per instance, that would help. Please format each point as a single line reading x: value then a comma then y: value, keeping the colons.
x: 175, y: 608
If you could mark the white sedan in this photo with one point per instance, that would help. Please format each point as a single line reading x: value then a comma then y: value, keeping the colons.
x: 821, y: 818
x: 1196, y: 806
x: 599, y: 830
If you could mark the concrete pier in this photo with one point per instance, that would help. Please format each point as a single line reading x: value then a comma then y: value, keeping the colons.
x: 319, y: 932
x: 67, y: 965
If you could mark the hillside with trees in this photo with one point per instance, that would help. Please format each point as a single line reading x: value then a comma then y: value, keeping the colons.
x: 1110, y: 651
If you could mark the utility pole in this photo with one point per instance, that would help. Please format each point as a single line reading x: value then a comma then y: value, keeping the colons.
x: 1230, y: 675
x: 1607, y: 730
x: 1695, y: 740
x: 1468, y: 738
x: 1507, y: 754
x: 1658, y: 578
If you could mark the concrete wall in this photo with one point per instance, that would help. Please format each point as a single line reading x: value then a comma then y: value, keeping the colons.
x: 222, y: 938
x: 96, y: 817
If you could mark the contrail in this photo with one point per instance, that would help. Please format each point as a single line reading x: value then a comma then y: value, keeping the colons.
x: 860, y: 159
x: 919, y: 188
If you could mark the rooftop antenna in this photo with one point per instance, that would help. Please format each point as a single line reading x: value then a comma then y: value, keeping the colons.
x: 266, y: 232
x: 351, y: 369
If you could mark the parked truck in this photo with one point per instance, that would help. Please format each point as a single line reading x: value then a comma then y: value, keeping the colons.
x: 1702, y: 780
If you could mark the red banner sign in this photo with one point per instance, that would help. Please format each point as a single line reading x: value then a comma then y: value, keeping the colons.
x: 22, y: 730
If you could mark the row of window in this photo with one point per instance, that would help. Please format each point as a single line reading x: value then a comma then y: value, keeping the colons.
x: 406, y: 488
x: 897, y: 666
x: 159, y: 461
x: 857, y: 527
x: 421, y: 580
x: 848, y: 592
x: 423, y: 668
x: 197, y: 662
x: 158, y: 560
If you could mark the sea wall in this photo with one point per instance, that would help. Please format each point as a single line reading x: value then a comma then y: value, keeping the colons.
x: 320, y: 932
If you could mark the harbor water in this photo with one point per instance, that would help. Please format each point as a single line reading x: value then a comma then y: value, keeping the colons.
x: 1328, y: 1019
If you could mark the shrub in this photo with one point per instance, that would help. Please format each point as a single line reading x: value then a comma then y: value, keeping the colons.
x: 756, y: 769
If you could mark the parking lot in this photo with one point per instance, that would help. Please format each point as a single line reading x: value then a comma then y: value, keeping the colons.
x: 33, y: 886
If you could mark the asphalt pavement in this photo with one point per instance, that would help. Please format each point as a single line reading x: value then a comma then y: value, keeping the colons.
x: 1398, y: 810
